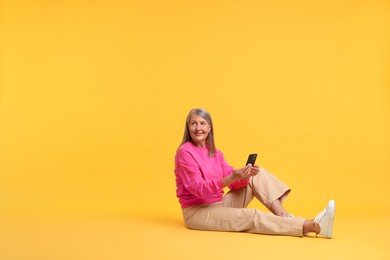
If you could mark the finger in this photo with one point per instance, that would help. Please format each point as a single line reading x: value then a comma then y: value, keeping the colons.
x: 246, y: 175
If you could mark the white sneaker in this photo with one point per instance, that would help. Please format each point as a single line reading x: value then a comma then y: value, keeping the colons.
x: 325, y: 219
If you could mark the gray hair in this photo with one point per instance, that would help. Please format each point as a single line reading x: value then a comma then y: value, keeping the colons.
x: 203, y: 113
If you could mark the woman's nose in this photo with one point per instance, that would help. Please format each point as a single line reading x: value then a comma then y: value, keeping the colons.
x: 199, y: 127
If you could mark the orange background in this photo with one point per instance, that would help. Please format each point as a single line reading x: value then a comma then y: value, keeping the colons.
x: 94, y: 95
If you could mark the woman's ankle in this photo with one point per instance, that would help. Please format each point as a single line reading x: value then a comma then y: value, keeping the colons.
x: 310, y: 226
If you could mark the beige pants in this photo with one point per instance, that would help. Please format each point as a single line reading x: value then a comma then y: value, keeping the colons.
x: 233, y: 215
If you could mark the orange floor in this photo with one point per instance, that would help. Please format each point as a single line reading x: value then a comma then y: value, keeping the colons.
x: 165, y: 237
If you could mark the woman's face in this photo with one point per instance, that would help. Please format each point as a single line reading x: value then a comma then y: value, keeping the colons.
x: 199, y: 130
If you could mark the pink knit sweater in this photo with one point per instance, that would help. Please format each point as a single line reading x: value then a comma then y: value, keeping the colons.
x: 198, y: 177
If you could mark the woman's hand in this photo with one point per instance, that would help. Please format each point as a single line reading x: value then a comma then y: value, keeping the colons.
x: 255, y: 170
x: 242, y: 173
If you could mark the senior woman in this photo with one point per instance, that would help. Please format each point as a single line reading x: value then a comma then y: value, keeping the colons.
x: 202, y: 173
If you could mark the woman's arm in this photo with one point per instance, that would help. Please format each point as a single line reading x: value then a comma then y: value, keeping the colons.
x: 192, y: 178
x: 235, y: 179
x: 238, y: 174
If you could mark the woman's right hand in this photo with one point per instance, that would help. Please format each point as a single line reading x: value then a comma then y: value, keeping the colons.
x: 242, y: 173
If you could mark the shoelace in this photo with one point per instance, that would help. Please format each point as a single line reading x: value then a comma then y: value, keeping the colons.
x: 319, y: 217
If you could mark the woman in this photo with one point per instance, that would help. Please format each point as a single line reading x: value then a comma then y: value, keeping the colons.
x: 202, y: 173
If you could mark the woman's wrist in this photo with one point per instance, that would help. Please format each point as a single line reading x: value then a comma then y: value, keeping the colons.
x: 234, y: 176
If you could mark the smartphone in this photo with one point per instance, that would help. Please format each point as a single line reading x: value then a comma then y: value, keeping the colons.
x: 251, y: 159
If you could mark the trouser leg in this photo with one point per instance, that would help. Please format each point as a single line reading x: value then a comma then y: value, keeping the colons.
x: 232, y: 214
x: 265, y: 187
x: 219, y: 218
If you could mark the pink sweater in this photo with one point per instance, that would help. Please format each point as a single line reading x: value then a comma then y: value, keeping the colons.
x: 198, y: 177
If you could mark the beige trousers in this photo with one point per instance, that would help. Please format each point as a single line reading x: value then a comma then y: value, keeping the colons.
x: 233, y: 215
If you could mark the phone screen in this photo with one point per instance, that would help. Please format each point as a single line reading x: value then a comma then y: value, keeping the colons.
x: 251, y: 159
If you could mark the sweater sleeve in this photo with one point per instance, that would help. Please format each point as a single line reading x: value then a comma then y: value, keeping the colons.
x: 238, y: 184
x: 193, y: 180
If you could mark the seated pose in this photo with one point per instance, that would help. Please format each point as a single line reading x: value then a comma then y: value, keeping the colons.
x: 202, y: 173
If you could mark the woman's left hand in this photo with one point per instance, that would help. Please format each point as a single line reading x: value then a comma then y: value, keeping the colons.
x: 255, y: 170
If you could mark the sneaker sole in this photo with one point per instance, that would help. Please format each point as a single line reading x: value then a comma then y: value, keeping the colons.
x: 331, y: 208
